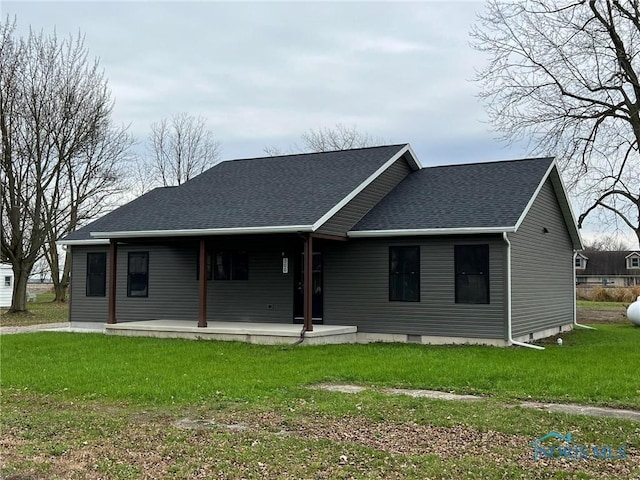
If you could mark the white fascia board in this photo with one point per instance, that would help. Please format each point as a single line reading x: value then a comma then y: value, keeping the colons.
x: 569, y: 207
x: 413, y: 162
x: 429, y: 231
x: 565, y: 199
x: 525, y: 212
x: 203, y: 232
x: 633, y: 254
x: 88, y: 241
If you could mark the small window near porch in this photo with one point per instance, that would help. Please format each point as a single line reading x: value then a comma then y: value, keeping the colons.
x: 231, y: 266
x: 472, y: 273
x: 138, y: 274
x: 7, y: 281
x: 96, y: 274
x: 404, y: 274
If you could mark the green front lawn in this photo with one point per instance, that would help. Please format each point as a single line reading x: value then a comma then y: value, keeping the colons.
x: 91, y: 406
x: 593, y: 366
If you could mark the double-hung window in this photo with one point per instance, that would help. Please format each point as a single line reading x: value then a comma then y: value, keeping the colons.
x: 472, y: 273
x: 404, y: 274
x: 138, y: 274
x: 96, y: 274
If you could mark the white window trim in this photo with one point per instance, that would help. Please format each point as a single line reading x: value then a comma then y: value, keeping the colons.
x: 582, y: 262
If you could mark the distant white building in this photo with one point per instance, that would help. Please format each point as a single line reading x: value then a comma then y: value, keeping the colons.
x: 6, y: 285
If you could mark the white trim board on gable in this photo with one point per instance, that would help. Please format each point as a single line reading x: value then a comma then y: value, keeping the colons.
x: 413, y: 162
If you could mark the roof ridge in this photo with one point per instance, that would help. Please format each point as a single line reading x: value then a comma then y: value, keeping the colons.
x: 300, y: 154
x: 620, y: 252
x: 491, y: 162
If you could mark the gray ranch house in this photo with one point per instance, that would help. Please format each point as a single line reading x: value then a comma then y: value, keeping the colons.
x: 357, y: 245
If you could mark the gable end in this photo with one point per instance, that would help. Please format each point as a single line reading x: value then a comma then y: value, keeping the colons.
x: 633, y: 261
x: 340, y: 219
x: 351, y: 213
x: 563, y: 201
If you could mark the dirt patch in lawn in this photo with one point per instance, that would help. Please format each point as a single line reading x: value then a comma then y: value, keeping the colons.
x: 601, y: 315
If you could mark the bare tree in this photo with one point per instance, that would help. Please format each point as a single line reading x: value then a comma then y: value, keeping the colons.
x: 275, y: 151
x: 339, y: 137
x: 141, y: 177
x: 90, y: 180
x: 565, y: 76
x: 181, y: 148
x: 610, y: 243
x: 41, y: 269
x: 59, y: 147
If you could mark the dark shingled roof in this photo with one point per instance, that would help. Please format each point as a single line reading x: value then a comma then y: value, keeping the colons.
x: 271, y: 191
x: 479, y: 195
x: 602, y: 263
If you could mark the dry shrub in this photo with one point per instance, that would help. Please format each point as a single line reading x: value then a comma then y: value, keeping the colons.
x: 608, y: 294
x: 583, y: 293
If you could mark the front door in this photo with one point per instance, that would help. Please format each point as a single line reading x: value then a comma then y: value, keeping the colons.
x: 298, y: 288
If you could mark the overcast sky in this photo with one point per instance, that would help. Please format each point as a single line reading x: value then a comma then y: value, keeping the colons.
x: 263, y: 73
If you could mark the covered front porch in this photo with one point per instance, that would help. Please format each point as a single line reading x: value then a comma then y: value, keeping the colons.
x: 280, y: 276
x: 257, y: 333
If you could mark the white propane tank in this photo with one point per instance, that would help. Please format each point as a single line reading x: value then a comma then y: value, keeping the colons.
x: 633, y: 312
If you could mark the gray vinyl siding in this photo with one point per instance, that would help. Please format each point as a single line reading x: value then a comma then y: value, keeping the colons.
x: 250, y: 300
x: 357, y: 289
x: 81, y: 307
x: 542, y: 268
x: 173, y: 286
x: 360, y: 205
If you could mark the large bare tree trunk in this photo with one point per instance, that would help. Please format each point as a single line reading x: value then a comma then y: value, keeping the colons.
x: 61, y: 293
x: 61, y: 281
x: 19, y: 300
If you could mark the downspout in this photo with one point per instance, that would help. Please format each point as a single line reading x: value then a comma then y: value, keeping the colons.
x: 575, y: 299
x: 301, y: 339
x: 509, y: 334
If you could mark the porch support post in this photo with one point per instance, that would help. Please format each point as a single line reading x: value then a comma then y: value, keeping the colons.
x: 202, y: 309
x: 308, y: 283
x: 113, y: 261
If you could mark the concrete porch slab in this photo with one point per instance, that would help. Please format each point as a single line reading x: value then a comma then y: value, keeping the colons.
x: 258, y: 333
